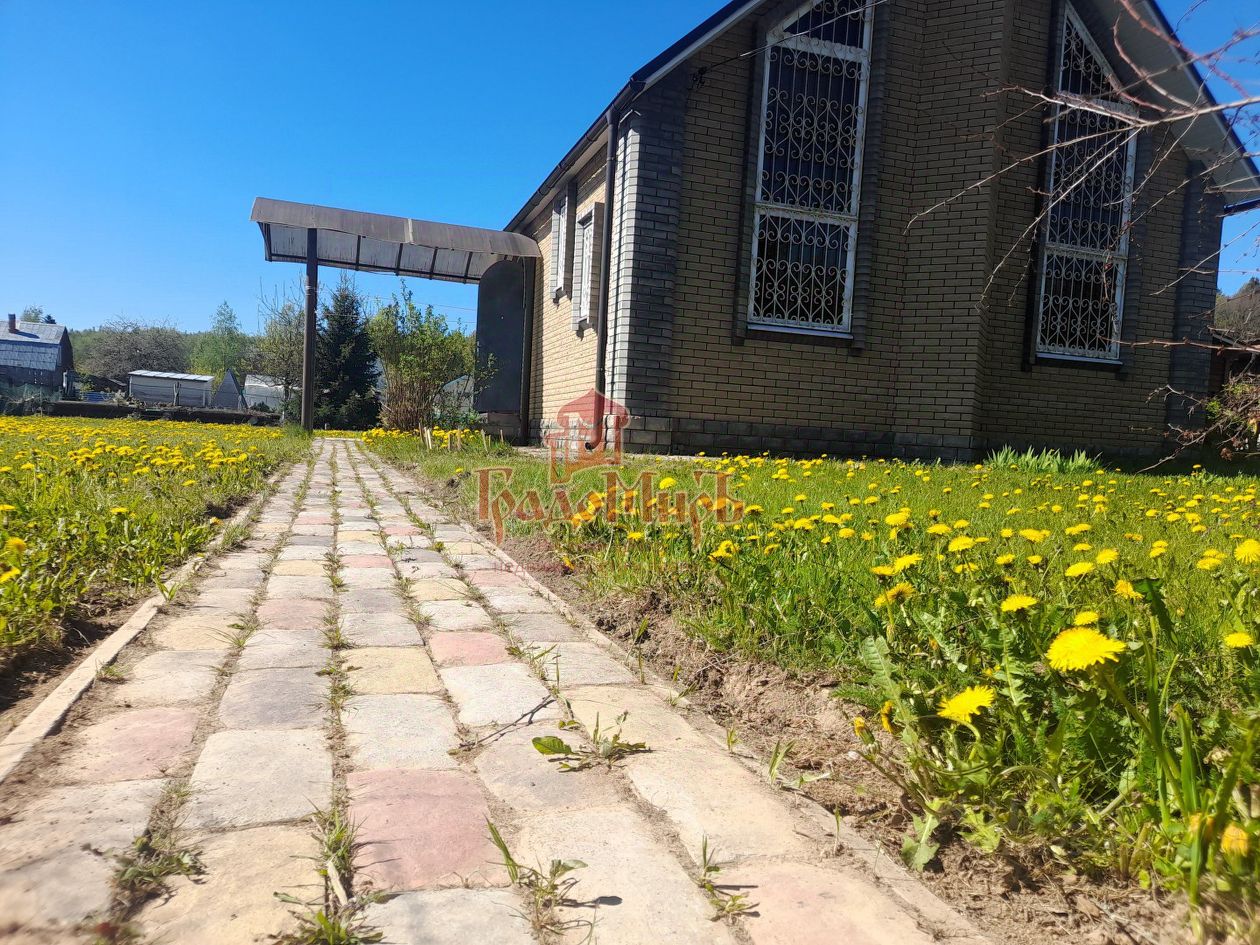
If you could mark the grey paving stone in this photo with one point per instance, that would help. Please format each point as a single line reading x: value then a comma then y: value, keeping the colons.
x: 452, y: 917
x: 368, y: 579
x: 245, y: 778
x: 642, y: 893
x: 514, y: 772
x: 55, y: 856
x: 541, y: 628
x: 168, y: 677
x: 274, y: 699
x: 302, y: 553
x: 281, y: 587
x: 400, y: 731
x: 371, y: 601
x: 299, y: 654
x: 380, y: 629
x: 516, y: 601
x: 453, y: 615
x: 583, y: 664
x: 496, y: 694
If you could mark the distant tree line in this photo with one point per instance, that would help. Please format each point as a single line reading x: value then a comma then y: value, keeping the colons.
x: 1238, y: 315
x: 390, y: 363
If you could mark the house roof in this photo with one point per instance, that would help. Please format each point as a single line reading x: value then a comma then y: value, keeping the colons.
x: 33, y: 345
x: 172, y: 376
x: 262, y: 380
x: 374, y: 242
x: 1211, y: 135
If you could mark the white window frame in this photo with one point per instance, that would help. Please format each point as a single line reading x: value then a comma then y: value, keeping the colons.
x: 559, y: 247
x: 1120, y: 258
x: 583, y: 263
x: 862, y: 56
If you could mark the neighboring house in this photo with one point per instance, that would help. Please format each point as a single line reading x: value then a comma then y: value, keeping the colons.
x: 169, y: 389
x: 228, y: 395
x: 267, y: 391
x: 35, y: 359
x: 771, y: 285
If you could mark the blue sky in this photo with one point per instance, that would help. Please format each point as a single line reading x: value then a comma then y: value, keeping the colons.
x: 136, y: 133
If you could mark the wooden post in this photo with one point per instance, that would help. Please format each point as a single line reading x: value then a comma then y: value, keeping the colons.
x: 308, y: 343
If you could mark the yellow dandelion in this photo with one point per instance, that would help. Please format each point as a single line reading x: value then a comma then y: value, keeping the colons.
x: 1085, y: 618
x: 897, y: 519
x: 15, y: 545
x: 940, y: 528
x: 1239, y: 640
x: 1248, y: 552
x: 119, y: 510
x: 1035, y: 560
x: 904, y: 562
x: 1078, y: 529
x: 963, y: 707
x: 1125, y: 589
x: 667, y: 482
x: 898, y: 592
x: 1004, y: 560
x: 1235, y: 841
x: 886, y: 717
x: 9, y: 575
x: 1080, y: 569
x: 1080, y: 648
x: 1017, y: 603
x: 1107, y: 556
x: 962, y: 543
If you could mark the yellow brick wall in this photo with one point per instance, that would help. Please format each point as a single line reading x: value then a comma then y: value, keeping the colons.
x: 563, y: 361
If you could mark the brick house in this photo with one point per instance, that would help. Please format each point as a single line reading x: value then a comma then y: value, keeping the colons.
x: 758, y: 275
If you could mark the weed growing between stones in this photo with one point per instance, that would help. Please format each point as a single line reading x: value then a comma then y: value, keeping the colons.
x: 545, y: 892
x: 607, y: 747
x: 726, y: 904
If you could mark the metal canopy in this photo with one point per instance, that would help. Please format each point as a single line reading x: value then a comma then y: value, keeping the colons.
x: 373, y: 242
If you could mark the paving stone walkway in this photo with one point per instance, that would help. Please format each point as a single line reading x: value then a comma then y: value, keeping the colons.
x: 362, y: 653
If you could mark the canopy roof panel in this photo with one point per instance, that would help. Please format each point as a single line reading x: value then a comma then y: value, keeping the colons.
x: 373, y: 242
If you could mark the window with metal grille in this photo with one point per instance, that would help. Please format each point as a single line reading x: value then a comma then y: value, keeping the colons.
x: 815, y: 66
x: 1085, y: 232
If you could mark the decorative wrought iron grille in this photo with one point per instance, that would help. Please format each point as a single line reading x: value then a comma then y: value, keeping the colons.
x: 1085, y: 235
x: 816, y: 64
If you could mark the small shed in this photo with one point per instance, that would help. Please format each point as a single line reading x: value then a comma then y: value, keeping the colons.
x: 161, y: 387
x: 229, y: 395
x: 267, y: 391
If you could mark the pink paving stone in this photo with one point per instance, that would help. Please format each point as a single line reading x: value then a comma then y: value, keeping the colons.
x: 421, y: 829
x: 403, y: 530
x: 802, y: 904
x: 128, y: 746
x: 367, y: 561
x: 292, y: 614
x: 467, y: 649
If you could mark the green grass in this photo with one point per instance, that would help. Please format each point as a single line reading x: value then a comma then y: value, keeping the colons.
x: 92, y: 512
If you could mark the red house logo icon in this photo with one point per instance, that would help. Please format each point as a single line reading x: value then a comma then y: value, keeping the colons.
x: 587, y: 434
